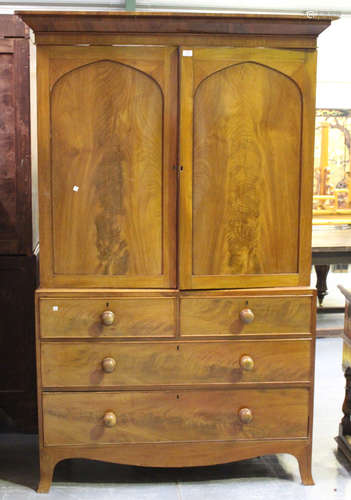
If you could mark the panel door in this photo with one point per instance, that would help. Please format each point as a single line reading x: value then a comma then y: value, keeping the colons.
x: 246, y: 148
x: 15, y: 185
x: 107, y: 188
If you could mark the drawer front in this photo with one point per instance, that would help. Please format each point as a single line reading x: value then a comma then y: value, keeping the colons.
x: 155, y: 416
x: 132, y: 317
x: 79, y: 364
x: 221, y: 316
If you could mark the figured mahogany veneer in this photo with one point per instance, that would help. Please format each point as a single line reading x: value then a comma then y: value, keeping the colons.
x: 174, y: 323
x: 82, y: 317
x: 221, y: 315
x: 79, y: 364
x: 147, y: 417
x: 167, y: 22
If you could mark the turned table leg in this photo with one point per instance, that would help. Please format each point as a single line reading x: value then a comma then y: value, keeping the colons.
x: 322, y: 271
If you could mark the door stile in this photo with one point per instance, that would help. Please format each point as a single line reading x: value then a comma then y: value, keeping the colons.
x: 185, y: 173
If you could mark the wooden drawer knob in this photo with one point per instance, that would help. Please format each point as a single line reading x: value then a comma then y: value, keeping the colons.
x: 247, y: 363
x: 107, y: 318
x: 245, y: 415
x: 110, y: 419
x: 246, y: 316
x: 108, y: 365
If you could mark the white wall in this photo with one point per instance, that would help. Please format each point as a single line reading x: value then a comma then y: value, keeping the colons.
x: 300, y: 6
x: 334, y: 69
x: 7, y: 7
x: 277, y: 6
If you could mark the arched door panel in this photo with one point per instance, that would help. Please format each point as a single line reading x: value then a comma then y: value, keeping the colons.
x: 243, y: 177
x: 112, y: 194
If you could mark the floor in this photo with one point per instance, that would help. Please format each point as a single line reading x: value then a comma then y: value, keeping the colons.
x: 272, y: 477
x: 329, y: 324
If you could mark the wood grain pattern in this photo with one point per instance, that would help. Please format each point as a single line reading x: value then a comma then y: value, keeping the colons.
x: 182, y: 363
x: 15, y: 165
x: 301, y: 291
x: 26, y: 240
x: 246, y: 163
x: 176, y: 400
x: 250, y: 232
x: 116, y: 161
x: 307, y: 159
x: 110, y: 293
x: 76, y: 418
x: 173, y: 22
x: 220, y: 316
x: 17, y: 264
x: 134, y: 317
x: 174, y: 39
x: 8, y: 155
x: 177, y: 455
x: 123, y: 209
x: 12, y: 26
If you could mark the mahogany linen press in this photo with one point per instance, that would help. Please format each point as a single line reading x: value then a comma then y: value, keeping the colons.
x: 175, y: 323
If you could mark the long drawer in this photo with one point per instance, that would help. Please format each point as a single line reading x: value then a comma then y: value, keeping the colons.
x: 245, y: 315
x: 159, y: 416
x: 103, y: 317
x: 86, y: 364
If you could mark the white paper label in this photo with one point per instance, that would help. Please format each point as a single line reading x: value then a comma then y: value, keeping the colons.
x: 187, y: 53
x: 75, y: 188
x: 55, y: 308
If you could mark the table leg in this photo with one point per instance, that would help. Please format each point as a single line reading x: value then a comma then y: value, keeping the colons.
x: 346, y: 407
x: 322, y: 271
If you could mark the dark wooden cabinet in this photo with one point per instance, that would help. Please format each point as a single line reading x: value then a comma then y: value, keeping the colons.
x: 17, y: 259
x: 15, y: 174
x: 17, y: 367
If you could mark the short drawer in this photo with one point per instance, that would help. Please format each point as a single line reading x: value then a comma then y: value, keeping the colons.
x: 227, y: 315
x: 159, y: 416
x: 107, y: 364
x: 128, y: 317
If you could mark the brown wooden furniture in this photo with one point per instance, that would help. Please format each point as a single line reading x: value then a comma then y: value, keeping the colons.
x: 175, y: 326
x: 17, y: 263
x: 344, y: 437
x: 329, y: 246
